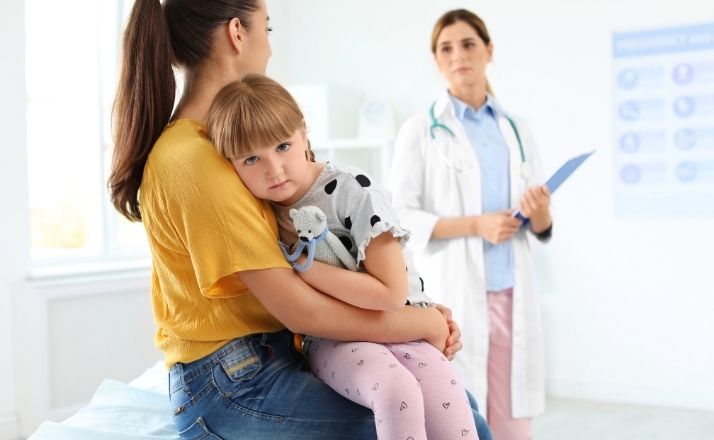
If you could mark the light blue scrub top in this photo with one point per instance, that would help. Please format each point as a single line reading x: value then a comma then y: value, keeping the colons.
x: 481, y: 127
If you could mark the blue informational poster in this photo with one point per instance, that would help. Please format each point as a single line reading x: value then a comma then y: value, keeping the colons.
x: 663, y: 122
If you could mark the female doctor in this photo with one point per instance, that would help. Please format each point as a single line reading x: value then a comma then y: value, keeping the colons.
x: 461, y: 167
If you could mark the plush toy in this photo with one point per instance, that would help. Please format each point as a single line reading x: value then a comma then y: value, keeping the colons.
x: 322, y: 245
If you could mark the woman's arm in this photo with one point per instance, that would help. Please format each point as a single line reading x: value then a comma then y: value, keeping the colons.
x: 495, y: 227
x: 302, y: 309
x: 383, y: 287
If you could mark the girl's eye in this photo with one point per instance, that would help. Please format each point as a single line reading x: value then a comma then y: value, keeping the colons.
x: 445, y: 49
x: 282, y: 148
x: 251, y: 160
x: 468, y: 45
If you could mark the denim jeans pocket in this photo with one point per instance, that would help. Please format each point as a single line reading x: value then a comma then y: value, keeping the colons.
x: 240, y: 363
x: 198, y: 431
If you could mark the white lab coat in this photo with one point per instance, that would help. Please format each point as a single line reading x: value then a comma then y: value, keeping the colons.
x: 441, y: 178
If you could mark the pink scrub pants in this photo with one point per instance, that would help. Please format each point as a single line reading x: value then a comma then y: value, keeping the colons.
x: 503, y: 425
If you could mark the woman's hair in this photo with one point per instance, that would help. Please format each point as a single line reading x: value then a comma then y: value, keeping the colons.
x: 467, y: 17
x: 251, y: 113
x: 179, y: 33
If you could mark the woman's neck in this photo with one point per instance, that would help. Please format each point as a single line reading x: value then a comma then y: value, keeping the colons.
x: 199, y: 90
x: 473, y: 95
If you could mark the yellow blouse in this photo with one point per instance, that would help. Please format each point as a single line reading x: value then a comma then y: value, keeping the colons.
x: 203, y: 226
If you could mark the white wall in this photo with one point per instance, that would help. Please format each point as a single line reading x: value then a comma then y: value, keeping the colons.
x: 73, y: 334
x: 627, y: 303
x: 13, y: 222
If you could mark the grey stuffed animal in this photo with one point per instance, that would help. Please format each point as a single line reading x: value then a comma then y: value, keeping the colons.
x: 322, y: 245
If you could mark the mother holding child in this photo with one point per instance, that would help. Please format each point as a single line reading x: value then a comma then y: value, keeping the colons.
x: 226, y: 302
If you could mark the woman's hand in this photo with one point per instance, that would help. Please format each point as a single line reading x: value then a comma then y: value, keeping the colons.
x: 442, y: 332
x: 453, y: 342
x: 496, y: 227
x: 535, y: 205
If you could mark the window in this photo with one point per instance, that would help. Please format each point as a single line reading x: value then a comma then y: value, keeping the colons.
x: 72, y: 65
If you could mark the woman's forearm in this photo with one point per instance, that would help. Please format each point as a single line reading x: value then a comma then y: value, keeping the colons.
x: 302, y: 309
x: 452, y: 227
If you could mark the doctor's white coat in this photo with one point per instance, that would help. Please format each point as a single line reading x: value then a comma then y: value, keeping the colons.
x: 441, y: 178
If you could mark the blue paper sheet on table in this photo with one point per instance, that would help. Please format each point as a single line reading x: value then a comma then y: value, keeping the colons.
x: 560, y: 176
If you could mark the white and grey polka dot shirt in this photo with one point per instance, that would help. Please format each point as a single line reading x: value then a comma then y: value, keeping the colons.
x: 357, y: 210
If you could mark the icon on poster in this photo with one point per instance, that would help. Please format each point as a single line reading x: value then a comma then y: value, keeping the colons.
x: 685, y: 138
x: 683, y: 73
x: 686, y: 171
x: 631, y: 174
x: 629, y: 142
x: 629, y: 111
x: 627, y: 79
x: 684, y: 106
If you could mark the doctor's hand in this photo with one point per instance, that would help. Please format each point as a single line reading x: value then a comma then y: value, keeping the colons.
x: 535, y: 205
x: 496, y: 227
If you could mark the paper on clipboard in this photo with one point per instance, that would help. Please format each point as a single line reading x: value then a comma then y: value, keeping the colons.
x: 560, y: 176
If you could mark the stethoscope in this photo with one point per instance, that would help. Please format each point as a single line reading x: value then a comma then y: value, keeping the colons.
x: 526, y: 167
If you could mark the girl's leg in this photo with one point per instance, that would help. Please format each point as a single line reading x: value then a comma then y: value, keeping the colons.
x: 446, y: 406
x: 503, y: 425
x: 258, y: 387
x: 368, y: 374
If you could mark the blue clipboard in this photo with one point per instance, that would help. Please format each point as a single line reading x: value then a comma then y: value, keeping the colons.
x: 560, y: 176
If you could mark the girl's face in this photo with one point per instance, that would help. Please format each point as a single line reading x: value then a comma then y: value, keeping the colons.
x: 279, y: 173
x: 257, y: 51
x: 462, y: 56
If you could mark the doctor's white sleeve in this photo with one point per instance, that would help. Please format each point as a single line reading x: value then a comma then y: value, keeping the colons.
x: 408, y: 186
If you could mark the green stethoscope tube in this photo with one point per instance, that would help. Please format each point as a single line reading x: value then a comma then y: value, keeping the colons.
x: 435, y: 124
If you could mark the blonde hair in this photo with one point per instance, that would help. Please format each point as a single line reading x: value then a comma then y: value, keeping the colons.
x: 251, y: 113
x: 467, y: 17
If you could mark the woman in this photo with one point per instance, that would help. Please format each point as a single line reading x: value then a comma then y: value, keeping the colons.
x: 222, y: 292
x: 460, y: 168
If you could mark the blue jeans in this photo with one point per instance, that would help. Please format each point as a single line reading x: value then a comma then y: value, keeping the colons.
x: 258, y: 387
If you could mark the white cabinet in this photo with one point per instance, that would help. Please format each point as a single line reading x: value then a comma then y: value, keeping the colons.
x: 370, y: 155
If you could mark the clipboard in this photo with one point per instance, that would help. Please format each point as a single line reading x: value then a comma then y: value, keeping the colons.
x: 560, y: 176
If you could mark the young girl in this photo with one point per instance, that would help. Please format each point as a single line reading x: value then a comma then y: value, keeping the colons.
x: 410, y: 387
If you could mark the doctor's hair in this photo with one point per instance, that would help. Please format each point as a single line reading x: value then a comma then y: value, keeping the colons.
x: 252, y: 113
x: 467, y: 17
x: 180, y: 33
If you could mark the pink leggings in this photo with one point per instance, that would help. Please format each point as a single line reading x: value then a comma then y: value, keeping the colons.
x: 411, y: 387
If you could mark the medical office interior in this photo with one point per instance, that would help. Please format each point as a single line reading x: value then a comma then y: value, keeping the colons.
x: 626, y: 285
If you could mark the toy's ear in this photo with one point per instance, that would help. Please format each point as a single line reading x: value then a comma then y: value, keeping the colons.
x: 320, y: 216
x: 293, y: 212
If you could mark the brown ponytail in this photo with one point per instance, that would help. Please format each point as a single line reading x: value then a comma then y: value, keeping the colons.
x: 143, y: 104
x: 181, y: 32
